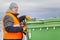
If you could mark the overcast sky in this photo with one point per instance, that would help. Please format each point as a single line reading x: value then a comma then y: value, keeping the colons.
x: 25, y: 4
x: 30, y: 6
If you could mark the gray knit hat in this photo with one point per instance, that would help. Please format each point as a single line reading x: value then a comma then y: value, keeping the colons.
x: 12, y: 5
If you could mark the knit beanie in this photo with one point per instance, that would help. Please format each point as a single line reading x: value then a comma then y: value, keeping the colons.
x: 13, y: 5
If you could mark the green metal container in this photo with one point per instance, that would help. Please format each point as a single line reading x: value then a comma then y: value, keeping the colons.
x: 48, y: 29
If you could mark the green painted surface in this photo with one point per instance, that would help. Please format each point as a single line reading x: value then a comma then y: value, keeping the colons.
x: 48, y: 29
x: 45, y: 23
x: 45, y: 34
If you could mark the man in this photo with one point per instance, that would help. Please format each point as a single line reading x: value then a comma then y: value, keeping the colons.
x: 12, y: 29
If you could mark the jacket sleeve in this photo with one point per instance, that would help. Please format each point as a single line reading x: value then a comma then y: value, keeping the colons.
x: 8, y: 24
x: 22, y: 18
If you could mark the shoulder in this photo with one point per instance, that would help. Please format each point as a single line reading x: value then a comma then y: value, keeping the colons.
x: 8, y: 18
x: 8, y: 21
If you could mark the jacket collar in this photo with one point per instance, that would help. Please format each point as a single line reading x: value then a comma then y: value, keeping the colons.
x: 15, y: 14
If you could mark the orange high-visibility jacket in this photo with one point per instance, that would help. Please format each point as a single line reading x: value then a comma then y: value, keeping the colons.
x: 8, y: 35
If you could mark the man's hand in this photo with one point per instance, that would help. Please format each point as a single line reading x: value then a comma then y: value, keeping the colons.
x: 28, y: 18
x: 24, y: 28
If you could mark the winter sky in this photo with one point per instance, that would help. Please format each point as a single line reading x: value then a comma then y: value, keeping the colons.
x: 33, y: 8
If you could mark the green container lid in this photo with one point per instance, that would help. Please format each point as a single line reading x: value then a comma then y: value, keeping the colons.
x: 52, y: 22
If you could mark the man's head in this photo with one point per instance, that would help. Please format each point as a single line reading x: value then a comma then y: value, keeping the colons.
x: 13, y: 7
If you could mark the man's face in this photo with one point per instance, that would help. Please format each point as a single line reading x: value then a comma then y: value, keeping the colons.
x: 15, y: 9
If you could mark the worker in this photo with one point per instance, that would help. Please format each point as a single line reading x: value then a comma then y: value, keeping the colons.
x: 12, y: 29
